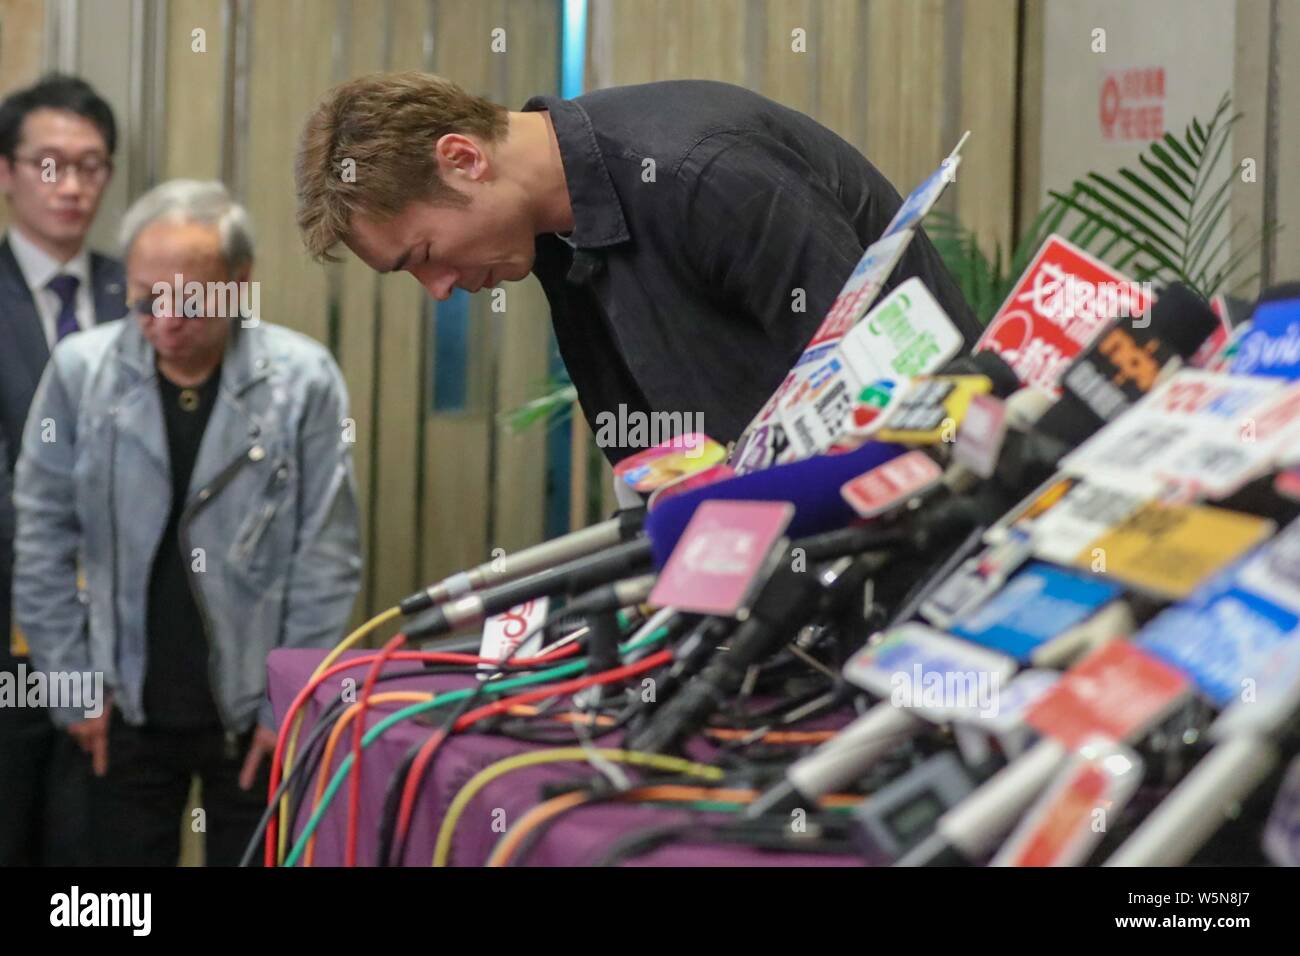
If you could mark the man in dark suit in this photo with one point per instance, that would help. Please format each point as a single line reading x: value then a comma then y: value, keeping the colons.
x: 57, y: 139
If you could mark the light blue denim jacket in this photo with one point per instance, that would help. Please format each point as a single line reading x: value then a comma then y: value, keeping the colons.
x: 269, y: 533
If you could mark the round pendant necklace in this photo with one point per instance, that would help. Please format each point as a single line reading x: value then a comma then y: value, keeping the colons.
x: 188, y: 399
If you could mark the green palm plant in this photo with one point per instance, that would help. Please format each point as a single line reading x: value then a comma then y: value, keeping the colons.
x: 555, y: 398
x: 1160, y: 222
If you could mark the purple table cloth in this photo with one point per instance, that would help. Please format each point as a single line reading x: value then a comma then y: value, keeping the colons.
x: 577, y: 838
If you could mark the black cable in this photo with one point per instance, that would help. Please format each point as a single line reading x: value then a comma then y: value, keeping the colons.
x: 387, y: 827
x: 316, y: 736
x: 444, y: 732
x: 313, y: 750
x: 778, y: 840
x: 392, y: 800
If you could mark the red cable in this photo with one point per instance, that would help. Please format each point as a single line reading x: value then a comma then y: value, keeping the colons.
x: 416, y: 773
x: 358, y: 731
x: 564, y: 687
x: 433, y: 657
x: 413, y: 775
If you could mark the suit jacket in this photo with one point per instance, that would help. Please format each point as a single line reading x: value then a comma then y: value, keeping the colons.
x: 23, y: 354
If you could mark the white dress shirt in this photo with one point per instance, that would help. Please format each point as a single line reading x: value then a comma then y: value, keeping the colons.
x: 38, y: 268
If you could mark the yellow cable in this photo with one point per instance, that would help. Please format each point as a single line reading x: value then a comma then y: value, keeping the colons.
x: 442, y: 850
x: 379, y: 620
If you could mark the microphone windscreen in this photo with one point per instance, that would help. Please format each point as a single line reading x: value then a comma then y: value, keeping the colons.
x: 811, y: 485
x: 1181, y: 318
x: 1123, y: 363
x: 989, y: 364
x: 1278, y: 293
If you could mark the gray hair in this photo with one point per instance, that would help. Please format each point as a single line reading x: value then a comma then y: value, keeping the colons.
x: 189, y: 200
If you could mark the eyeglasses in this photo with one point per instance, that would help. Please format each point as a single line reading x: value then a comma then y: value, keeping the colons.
x: 149, y: 307
x: 53, y: 168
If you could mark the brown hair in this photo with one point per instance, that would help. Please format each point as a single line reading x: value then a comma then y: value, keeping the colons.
x: 387, y: 125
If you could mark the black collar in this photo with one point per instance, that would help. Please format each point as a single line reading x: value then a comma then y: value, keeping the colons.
x: 597, y: 213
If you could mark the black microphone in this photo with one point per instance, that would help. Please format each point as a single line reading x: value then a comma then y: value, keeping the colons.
x: 574, y: 577
x: 1124, y: 362
x: 624, y: 526
x: 787, y: 598
x: 790, y: 597
x: 989, y: 364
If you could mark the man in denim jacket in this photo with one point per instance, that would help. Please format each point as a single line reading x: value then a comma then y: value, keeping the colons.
x: 185, y: 503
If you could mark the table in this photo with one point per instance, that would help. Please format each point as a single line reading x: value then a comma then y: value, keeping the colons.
x: 577, y: 838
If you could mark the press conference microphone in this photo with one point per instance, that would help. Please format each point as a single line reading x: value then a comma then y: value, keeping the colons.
x: 787, y: 598
x: 971, y: 830
x: 1219, y: 783
x: 573, y: 577
x: 1125, y: 361
x: 625, y: 526
x: 989, y: 364
x: 1201, y: 803
x: 812, y: 485
x: 1121, y: 365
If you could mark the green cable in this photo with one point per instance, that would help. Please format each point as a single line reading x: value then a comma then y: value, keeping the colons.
x: 494, y: 687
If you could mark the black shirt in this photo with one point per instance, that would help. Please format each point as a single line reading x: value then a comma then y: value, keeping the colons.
x: 699, y: 209
x: 177, y: 690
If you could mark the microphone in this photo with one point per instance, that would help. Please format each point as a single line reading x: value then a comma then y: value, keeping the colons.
x: 573, y: 577
x: 787, y: 597
x: 1196, y: 808
x: 885, y: 669
x: 1117, y: 691
x: 577, y: 544
x: 811, y: 485
x: 989, y: 364
x: 1125, y: 361
x: 971, y: 830
x: 1243, y: 624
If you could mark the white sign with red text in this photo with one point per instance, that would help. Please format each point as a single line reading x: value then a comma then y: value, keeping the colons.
x: 503, y: 633
x: 1057, y: 308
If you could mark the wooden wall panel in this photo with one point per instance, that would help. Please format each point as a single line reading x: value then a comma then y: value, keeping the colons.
x: 519, y: 472
x: 400, y: 391
x: 1250, y: 135
x: 484, y: 488
x: 22, y: 31
x: 885, y: 62
x: 841, y: 73
x: 289, y: 69
x: 192, y: 145
x: 788, y: 75
x: 1029, y: 130
x: 22, y: 42
x: 718, y: 49
x: 457, y: 453
x: 988, y: 96
x: 358, y: 297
